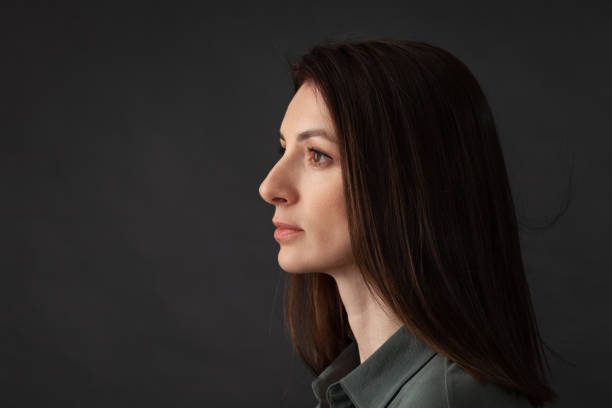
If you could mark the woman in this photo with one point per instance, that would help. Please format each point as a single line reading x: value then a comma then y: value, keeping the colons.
x: 397, y: 228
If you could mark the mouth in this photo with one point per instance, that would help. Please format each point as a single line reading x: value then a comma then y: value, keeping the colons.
x: 285, y: 233
x: 284, y: 225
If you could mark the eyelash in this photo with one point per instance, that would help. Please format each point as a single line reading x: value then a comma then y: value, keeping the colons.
x: 281, y: 150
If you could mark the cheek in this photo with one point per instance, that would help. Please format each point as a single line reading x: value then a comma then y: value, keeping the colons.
x: 333, y: 241
x: 329, y: 216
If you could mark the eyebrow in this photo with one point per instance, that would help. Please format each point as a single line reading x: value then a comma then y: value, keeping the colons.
x: 310, y: 133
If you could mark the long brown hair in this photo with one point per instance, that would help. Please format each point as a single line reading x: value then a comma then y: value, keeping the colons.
x: 432, y: 221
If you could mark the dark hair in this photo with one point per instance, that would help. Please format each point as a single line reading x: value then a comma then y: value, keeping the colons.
x: 432, y: 221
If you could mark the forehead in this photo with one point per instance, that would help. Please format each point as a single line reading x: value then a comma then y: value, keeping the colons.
x: 307, y: 109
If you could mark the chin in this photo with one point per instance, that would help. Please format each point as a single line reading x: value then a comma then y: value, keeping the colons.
x: 297, y: 267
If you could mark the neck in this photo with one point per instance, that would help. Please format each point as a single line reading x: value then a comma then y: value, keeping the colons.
x: 372, y: 322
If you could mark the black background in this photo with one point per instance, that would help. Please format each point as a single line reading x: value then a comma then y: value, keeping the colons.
x: 138, y: 263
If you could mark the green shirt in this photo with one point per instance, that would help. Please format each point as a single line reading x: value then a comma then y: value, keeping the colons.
x: 405, y: 372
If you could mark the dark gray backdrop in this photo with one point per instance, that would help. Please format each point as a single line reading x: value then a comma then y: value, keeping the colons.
x: 138, y: 263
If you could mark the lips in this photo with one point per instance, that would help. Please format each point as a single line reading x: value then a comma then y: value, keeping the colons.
x: 285, y: 230
x: 281, y: 233
x: 286, y: 226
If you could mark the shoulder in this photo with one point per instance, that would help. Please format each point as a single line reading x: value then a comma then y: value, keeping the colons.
x: 463, y: 390
x: 426, y: 389
x: 441, y: 383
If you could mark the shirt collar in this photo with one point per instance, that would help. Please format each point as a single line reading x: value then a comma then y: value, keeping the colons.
x: 374, y: 382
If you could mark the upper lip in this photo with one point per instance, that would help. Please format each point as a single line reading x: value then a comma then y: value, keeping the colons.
x: 285, y: 225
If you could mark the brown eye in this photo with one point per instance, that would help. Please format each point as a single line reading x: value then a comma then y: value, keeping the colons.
x: 318, y: 154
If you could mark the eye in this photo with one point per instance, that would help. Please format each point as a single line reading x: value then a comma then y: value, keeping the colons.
x: 317, y: 153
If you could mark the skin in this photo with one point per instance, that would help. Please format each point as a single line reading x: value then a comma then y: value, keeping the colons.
x: 306, y: 189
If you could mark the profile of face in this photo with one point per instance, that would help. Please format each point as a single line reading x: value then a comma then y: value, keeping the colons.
x: 305, y: 186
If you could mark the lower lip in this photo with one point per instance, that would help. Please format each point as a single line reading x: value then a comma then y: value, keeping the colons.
x: 282, y: 233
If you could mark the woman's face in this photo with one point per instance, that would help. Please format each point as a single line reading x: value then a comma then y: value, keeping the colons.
x: 306, y: 189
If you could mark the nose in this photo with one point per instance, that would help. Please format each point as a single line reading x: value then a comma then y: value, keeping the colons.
x: 281, y: 183
x: 265, y: 190
x: 262, y: 189
x: 277, y: 187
